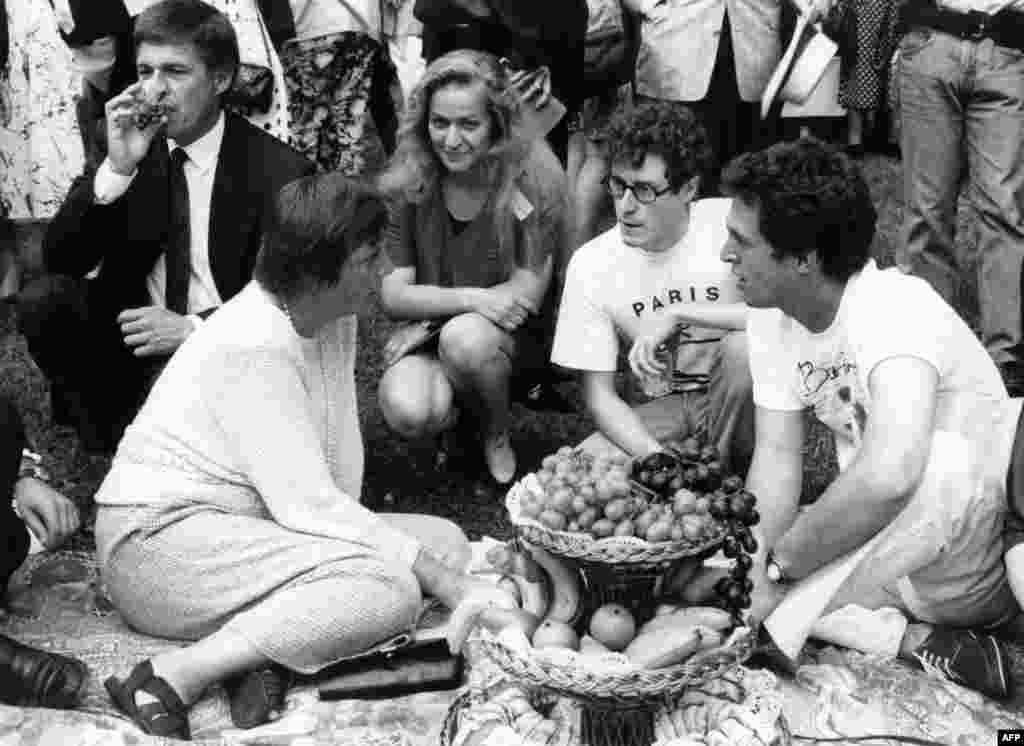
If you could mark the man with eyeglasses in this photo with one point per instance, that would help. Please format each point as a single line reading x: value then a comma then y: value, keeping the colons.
x: 657, y: 275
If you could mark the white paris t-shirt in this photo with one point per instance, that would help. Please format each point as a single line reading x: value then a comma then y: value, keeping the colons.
x: 613, y: 291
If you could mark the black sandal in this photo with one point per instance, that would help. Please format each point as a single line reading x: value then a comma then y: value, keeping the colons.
x: 167, y: 717
x: 254, y: 695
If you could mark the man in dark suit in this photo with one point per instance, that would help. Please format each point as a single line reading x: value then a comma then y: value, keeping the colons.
x: 165, y: 230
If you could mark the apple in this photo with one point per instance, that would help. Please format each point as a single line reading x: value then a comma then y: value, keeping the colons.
x: 555, y: 634
x: 613, y: 626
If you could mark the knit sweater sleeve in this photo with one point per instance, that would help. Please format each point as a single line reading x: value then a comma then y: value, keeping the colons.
x: 260, y: 404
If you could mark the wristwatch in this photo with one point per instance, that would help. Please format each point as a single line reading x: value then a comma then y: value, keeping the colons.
x: 774, y: 570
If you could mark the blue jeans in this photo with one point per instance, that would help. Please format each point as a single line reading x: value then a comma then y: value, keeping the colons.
x: 962, y: 109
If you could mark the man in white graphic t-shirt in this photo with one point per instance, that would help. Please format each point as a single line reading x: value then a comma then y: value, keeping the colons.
x: 911, y: 528
x: 657, y: 275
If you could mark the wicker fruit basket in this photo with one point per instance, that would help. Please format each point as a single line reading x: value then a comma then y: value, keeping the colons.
x: 611, y: 550
x: 627, y: 687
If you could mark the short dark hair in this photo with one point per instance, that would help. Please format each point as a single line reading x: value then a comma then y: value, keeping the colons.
x: 809, y: 197
x: 314, y: 226
x: 191, y: 22
x: 668, y: 129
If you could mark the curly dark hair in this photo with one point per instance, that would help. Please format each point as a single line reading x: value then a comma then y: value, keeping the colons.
x: 810, y: 197
x: 668, y: 129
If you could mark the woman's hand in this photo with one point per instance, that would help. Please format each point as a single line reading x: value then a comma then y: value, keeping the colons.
x: 505, y: 308
x: 403, y: 340
x: 464, y: 594
x: 477, y: 595
x: 533, y: 86
x: 647, y: 357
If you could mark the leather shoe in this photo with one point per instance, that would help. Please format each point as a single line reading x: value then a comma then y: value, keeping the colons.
x: 500, y: 457
x: 257, y: 697
x: 36, y: 678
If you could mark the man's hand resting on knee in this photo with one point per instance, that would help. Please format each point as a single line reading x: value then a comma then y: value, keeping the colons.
x: 52, y: 517
x: 153, y: 330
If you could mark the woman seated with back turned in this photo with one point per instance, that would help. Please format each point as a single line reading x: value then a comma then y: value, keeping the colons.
x: 231, y: 514
x: 480, y: 219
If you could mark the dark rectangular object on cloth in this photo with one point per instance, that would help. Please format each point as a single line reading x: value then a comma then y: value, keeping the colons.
x: 1005, y: 28
x: 418, y: 667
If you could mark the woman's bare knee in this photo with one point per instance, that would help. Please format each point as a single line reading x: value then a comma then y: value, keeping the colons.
x: 412, y: 407
x: 471, y: 344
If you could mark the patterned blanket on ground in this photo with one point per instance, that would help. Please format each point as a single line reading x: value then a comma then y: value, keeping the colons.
x: 56, y: 603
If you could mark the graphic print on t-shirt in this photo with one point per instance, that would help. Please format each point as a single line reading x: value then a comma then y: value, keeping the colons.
x: 834, y: 390
x: 683, y: 346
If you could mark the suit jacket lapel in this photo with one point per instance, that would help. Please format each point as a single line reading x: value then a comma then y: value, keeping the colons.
x: 229, y: 214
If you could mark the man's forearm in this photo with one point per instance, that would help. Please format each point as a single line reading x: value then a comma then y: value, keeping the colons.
x: 776, y: 486
x: 849, y: 513
x: 728, y: 316
x: 621, y: 424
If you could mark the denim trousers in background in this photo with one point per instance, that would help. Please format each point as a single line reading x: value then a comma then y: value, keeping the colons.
x: 962, y: 109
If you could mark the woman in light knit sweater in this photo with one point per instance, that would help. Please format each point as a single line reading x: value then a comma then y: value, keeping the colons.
x: 231, y: 513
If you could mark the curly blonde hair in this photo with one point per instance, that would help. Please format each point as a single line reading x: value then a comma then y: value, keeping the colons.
x: 415, y: 170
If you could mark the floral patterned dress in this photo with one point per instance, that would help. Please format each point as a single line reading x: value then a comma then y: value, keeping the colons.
x: 40, y: 148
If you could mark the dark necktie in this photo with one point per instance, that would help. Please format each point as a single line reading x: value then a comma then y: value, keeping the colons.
x: 179, y: 244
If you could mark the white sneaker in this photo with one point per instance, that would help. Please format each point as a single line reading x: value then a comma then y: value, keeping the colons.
x: 501, y: 457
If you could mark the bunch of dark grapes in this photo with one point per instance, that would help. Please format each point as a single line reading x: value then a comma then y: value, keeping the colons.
x: 737, y: 509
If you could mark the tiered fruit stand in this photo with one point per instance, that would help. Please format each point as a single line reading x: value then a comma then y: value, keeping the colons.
x: 618, y: 704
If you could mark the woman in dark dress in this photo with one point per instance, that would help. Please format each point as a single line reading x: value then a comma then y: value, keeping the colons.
x: 481, y: 215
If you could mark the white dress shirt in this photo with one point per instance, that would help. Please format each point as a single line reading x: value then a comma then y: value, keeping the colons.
x: 200, y: 170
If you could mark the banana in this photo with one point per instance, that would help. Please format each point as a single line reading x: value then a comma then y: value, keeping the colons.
x: 706, y: 616
x: 566, y: 593
x: 710, y: 638
x: 658, y: 649
x: 461, y: 622
x: 529, y: 577
x: 534, y: 595
x: 508, y: 584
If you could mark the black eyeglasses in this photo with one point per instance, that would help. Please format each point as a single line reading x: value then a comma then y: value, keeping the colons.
x: 645, y: 194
